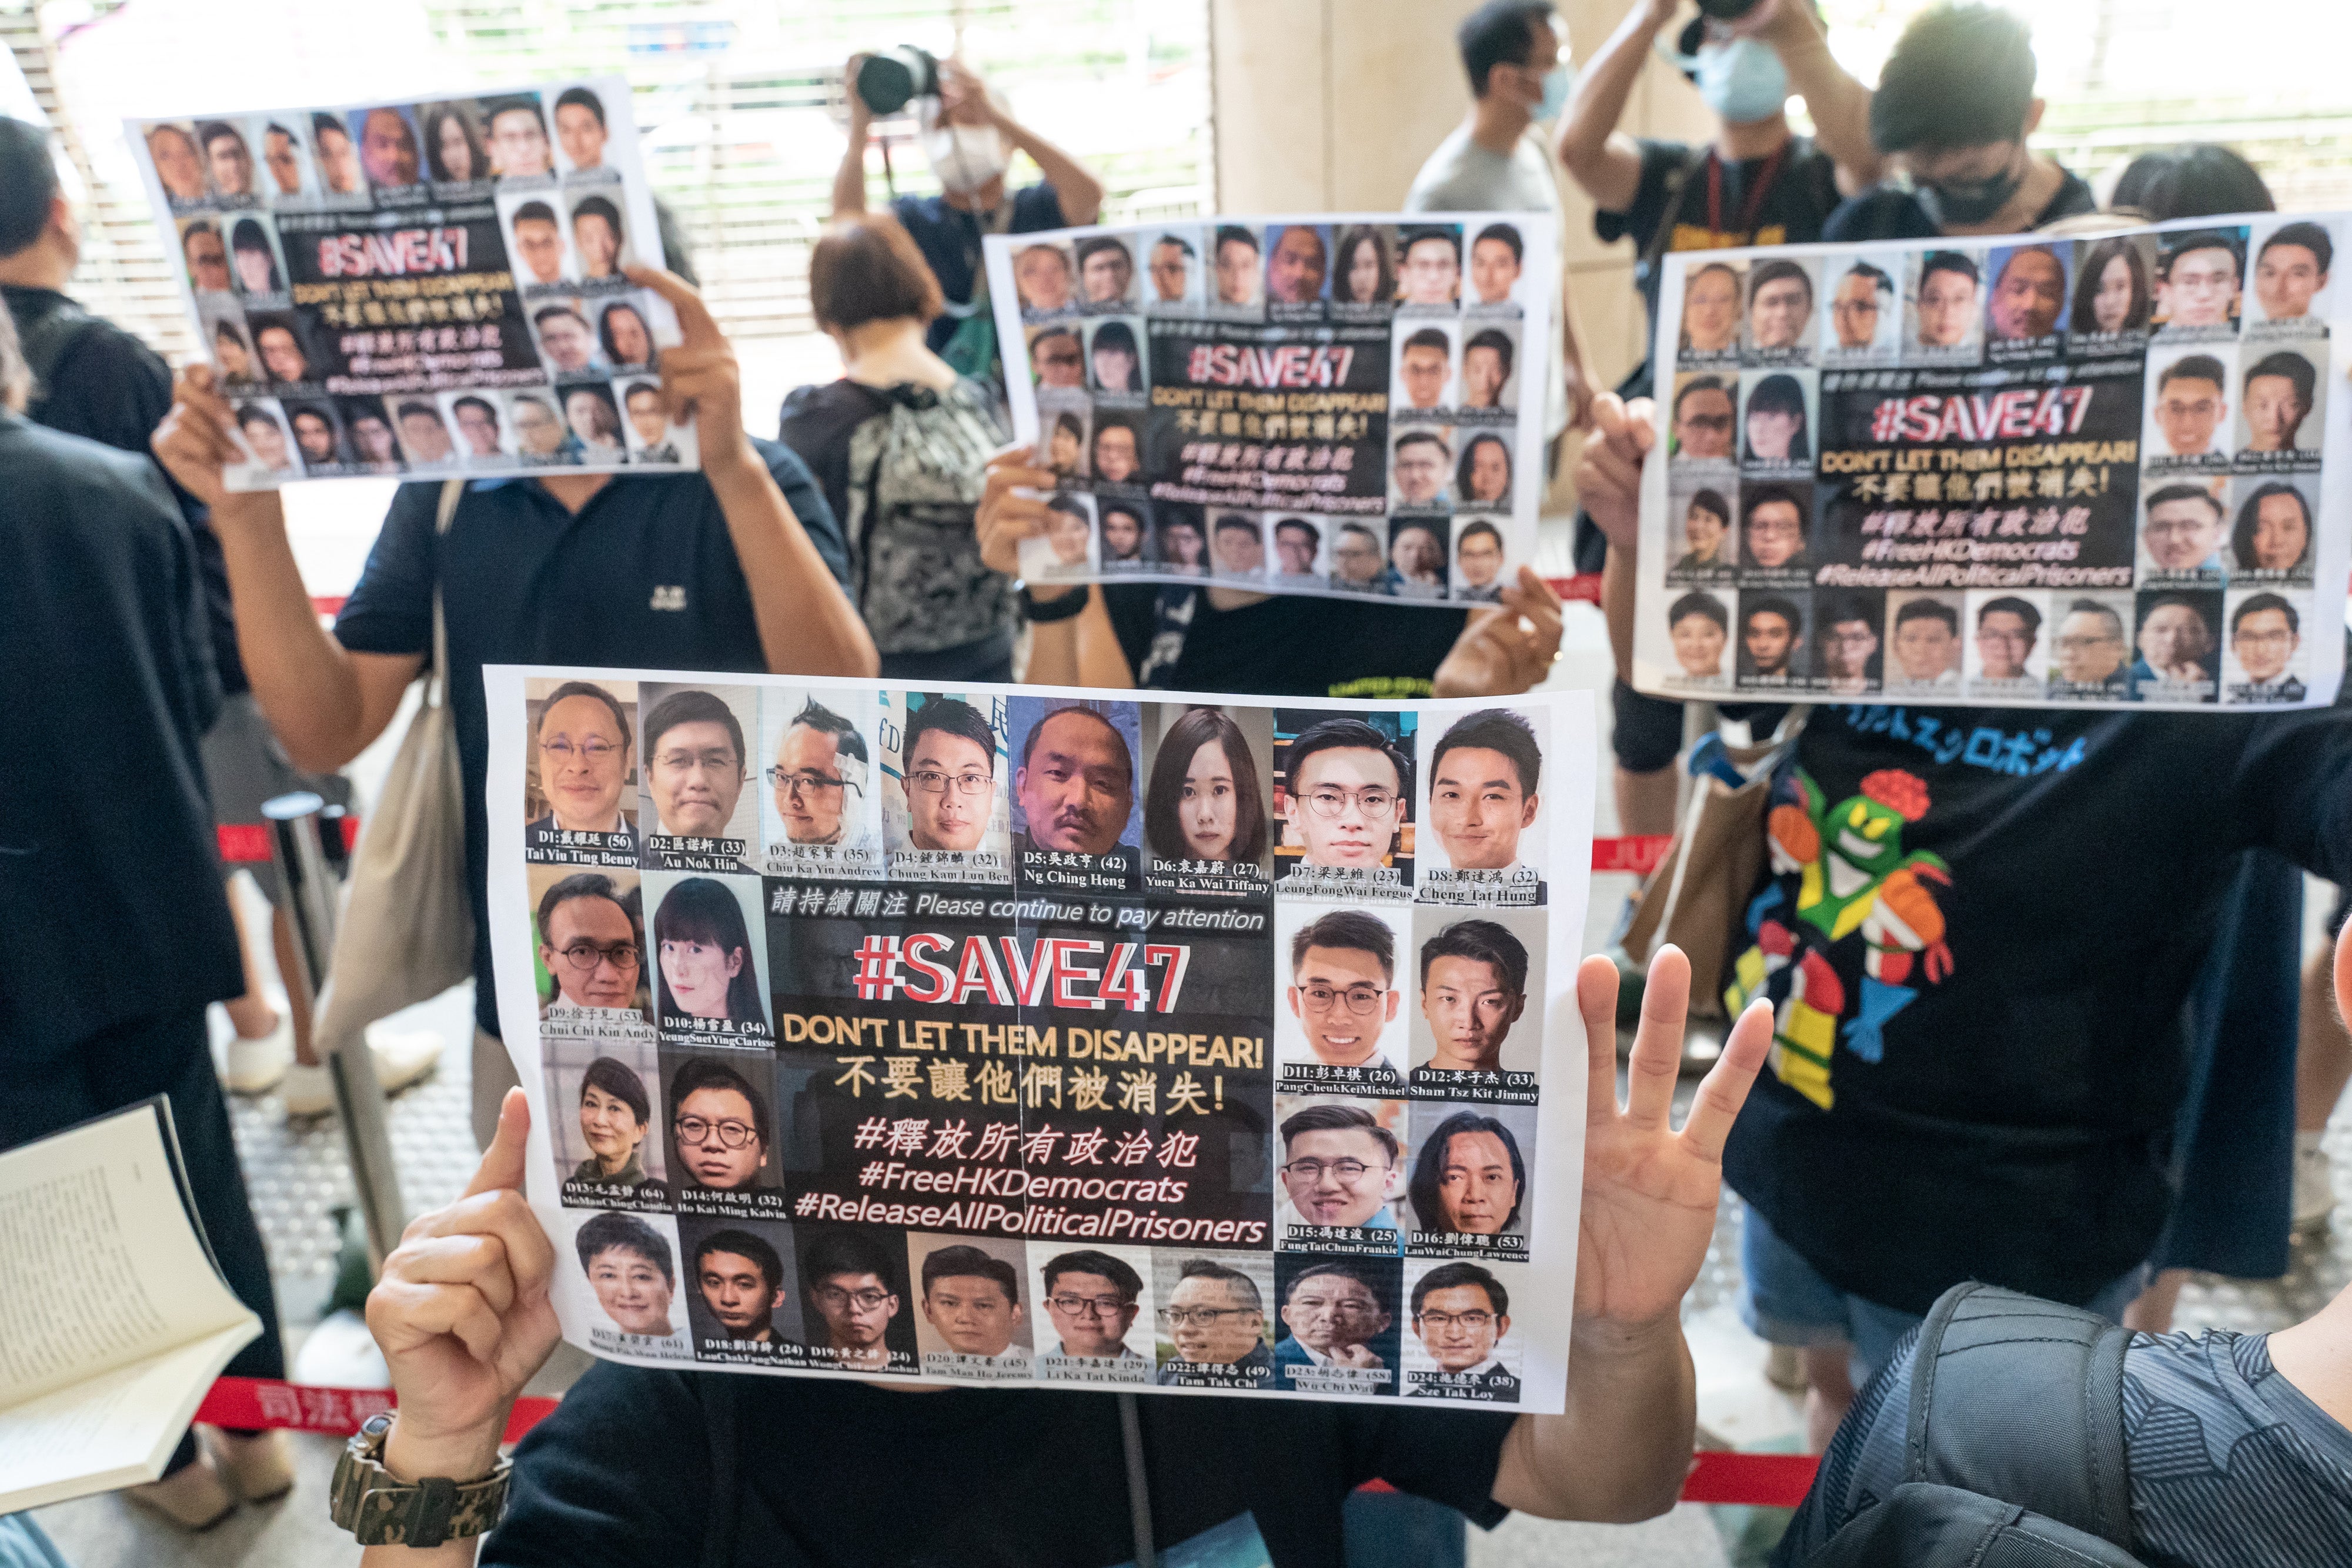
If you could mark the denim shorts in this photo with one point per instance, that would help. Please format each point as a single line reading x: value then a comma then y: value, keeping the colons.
x: 1784, y: 1300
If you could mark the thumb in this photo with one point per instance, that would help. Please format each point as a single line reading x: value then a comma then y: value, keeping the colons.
x: 697, y: 328
x: 501, y: 1164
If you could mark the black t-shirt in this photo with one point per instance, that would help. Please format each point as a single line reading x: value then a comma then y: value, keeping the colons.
x: 645, y: 577
x: 112, y: 388
x: 1884, y: 212
x: 1722, y: 212
x: 1288, y: 645
x: 1979, y: 928
x: 626, y: 1472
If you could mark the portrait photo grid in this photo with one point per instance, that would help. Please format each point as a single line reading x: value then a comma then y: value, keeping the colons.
x: 2021, y: 471
x: 431, y: 287
x: 1031, y: 1036
x: 1337, y: 404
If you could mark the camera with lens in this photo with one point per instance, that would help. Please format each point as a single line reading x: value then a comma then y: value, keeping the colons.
x: 1727, y: 10
x: 888, y: 79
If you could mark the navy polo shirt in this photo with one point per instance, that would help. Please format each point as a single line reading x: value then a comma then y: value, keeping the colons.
x: 948, y: 237
x: 524, y: 581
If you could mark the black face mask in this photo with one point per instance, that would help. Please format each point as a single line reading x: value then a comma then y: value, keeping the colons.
x: 1972, y: 202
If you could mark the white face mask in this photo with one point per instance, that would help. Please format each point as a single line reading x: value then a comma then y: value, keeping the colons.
x: 965, y: 157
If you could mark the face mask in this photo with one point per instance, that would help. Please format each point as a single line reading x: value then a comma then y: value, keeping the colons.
x: 1556, y: 85
x: 1973, y: 202
x: 965, y: 157
x: 1743, y: 81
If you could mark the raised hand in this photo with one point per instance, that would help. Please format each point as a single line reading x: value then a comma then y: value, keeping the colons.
x: 462, y: 1315
x: 701, y: 381
x: 1506, y: 650
x: 194, y: 443
x: 1005, y: 516
x: 1649, y: 1191
x: 1608, y: 473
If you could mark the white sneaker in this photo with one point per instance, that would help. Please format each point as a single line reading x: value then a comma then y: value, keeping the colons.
x: 402, y: 1057
x: 255, y: 1066
x: 2314, y: 1185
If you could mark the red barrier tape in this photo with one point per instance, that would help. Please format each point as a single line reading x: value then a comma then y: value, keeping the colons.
x: 1639, y: 855
x: 332, y: 604
x: 1584, y: 586
x: 248, y: 1404
x: 247, y: 843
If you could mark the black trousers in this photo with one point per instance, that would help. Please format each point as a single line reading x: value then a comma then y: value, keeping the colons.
x: 170, y: 1056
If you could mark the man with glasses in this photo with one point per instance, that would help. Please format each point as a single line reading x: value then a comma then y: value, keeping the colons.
x: 583, y: 747
x: 1333, y: 1313
x: 1342, y: 992
x: 2264, y: 632
x: 1703, y: 420
x: 2197, y: 282
x: 1345, y: 790
x: 2007, y: 629
x: 1339, y: 1171
x: 518, y: 139
x: 2090, y: 649
x: 1774, y: 535
x: 819, y: 778
x: 1093, y: 1299
x: 1075, y: 784
x: 588, y: 942
x: 2182, y: 536
x: 694, y: 764
x: 722, y: 1125
x: 1058, y: 360
x: 1215, y: 1319
x: 947, y: 770
x: 855, y: 1290
x: 1462, y: 1312
x: 1859, y: 302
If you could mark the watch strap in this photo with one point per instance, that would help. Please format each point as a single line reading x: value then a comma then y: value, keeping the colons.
x: 380, y: 1510
x: 1045, y: 612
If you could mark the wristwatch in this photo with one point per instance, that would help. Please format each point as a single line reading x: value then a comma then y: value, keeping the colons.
x: 1045, y: 612
x: 382, y: 1511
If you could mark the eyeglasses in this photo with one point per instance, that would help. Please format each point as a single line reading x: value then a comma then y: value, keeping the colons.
x: 1360, y: 999
x: 931, y: 781
x: 836, y: 1298
x: 1473, y: 1319
x: 804, y: 783
x: 1349, y: 1172
x: 623, y: 955
x: 1088, y: 1306
x: 2076, y: 644
x: 1717, y: 422
x: 1330, y: 802
x: 730, y: 1134
x: 711, y: 760
x: 591, y: 752
x: 1206, y: 1317
x: 2262, y: 639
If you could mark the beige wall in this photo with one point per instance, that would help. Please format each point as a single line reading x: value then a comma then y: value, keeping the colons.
x: 1329, y: 105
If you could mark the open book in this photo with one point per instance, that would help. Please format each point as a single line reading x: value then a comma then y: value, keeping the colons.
x: 116, y: 1317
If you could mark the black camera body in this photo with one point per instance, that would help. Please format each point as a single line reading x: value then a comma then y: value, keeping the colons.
x: 888, y: 79
x: 1727, y: 10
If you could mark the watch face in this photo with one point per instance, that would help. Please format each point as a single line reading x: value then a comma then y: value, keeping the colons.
x: 376, y: 1427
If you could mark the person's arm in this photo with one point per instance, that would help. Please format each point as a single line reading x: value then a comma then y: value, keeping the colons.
x: 1609, y: 484
x: 1622, y: 1448
x: 1075, y: 186
x: 807, y: 624
x: 1838, y: 104
x: 1082, y: 651
x: 324, y: 702
x: 1605, y: 162
x: 849, y: 179
x: 1575, y: 372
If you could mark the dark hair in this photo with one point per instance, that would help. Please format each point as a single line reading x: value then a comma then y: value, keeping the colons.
x: 1328, y: 1117
x: 838, y: 1252
x: 1496, y: 729
x: 1429, y: 1168
x: 1210, y: 1269
x: 1194, y: 728
x: 532, y: 213
x: 624, y: 1233
x: 497, y: 106
x: 1071, y: 423
x: 1446, y: 234
x: 633, y: 388
x: 1949, y: 261
x: 2241, y: 537
x: 2256, y: 602
x: 1697, y: 604
x: 28, y: 183
x: 697, y: 1073
x: 487, y: 407
x: 1928, y: 609
x: 1086, y: 1260
x: 2170, y: 493
x: 1875, y: 276
x: 1179, y: 241
x: 846, y: 741
x: 1487, y: 943
x: 1343, y: 252
x: 693, y: 706
x: 2194, y: 179
x: 604, y: 330
x: 2093, y: 607
x: 1477, y: 529
x: 951, y: 716
x: 1097, y: 245
x: 2177, y: 246
x: 1773, y: 272
x: 1428, y: 338
x: 2010, y: 604
x: 211, y: 131
x: 1962, y: 75
x: 1700, y: 384
x: 966, y: 1261
x: 1711, y: 502
x: 253, y: 412
x: 1462, y: 467
x: 326, y: 416
x: 1351, y: 734
x: 2309, y: 236
x: 743, y: 1244
x: 2087, y: 285
x: 1422, y: 438
x: 620, y: 1081
x: 1309, y: 528
x: 1350, y: 930
x: 1453, y: 1277
x: 1754, y: 498
x: 607, y: 419
x: 1118, y: 337
x: 599, y: 207
x: 248, y: 235
x: 1229, y: 233
x: 578, y: 885
x: 441, y: 114
x: 703, y: 909
x: 1781, y: 393
x: 584, y: 99
x: 1355, y: 1271
x: 1775, y: 604
x: 1078, y: 706
x: 2192, y: 368
x: 1048, y: 333
x: 541, y: 317
x: 403, y: 410
x: 1505, y: 233
x: 322, y: 122
x: 198, y: 226
x: 2295, y: 369
x: 868, y: 269
x: 1492, y: 338
x: 1499, y: 33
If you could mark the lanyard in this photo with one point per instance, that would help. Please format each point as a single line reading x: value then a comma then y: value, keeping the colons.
x: 1751, y: 209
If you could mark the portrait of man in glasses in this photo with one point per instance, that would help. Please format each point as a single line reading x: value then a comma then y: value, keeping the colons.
x: 1340, y: 1171
x: 1461, y: 1313
x: 695, y: 769
x: 820, y: 778
x: 1346, y: 785
x: 1215, y: 1324
x: 947, y: 766
x: 723, y: 1128
x: 581, y: 745
x: 1093, y: 1299
x: 1343, y: 996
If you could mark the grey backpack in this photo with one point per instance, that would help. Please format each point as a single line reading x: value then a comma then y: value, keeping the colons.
x: 917, y: 469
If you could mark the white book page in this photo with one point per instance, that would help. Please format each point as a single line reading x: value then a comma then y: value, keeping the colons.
x: 110, y: 1430
x: 103, y: 1266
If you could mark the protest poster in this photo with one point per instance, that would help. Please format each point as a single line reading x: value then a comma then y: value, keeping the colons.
x: 2023, y: 472
x: 1050, y: 1038
x: 1328, y: 403
x: 428, y: 288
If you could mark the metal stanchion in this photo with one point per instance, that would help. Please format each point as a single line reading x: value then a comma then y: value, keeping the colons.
x: 301, y: 862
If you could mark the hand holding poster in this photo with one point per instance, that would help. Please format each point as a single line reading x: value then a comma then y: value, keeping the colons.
x: 1328, y: 404
x: 435, y: 288
x: 2020, y: 472
x: 1022, y: 1035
